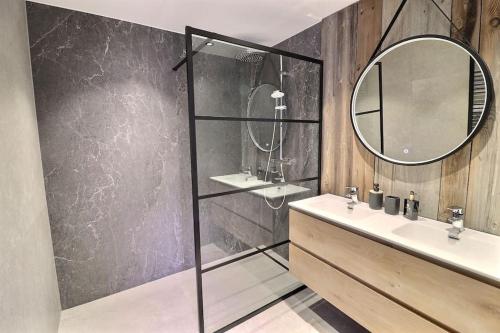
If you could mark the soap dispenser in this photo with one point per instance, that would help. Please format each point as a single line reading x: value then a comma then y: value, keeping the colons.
x: 410, y: 210
x: 376, y: 197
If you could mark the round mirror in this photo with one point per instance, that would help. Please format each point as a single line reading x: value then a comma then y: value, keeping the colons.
x: 262, y: 105
x: 420, y: 100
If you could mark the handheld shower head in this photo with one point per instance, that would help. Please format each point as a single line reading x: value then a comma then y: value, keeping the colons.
x: 277, y: 94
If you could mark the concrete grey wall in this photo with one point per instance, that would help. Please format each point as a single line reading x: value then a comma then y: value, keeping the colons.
x: 29, y: 299
x: 115, y: 150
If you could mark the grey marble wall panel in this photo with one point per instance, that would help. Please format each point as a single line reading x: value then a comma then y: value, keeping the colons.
x: 29, y: 298
x: 115, y: 148
x: 302, y: 85
x: 220, y: 85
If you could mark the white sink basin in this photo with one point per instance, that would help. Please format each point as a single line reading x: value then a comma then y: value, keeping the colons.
x: 435, y: 235
x: 241, y: 180
x: 340, y: 209
x: 476, y: 251
x: 279, y: 191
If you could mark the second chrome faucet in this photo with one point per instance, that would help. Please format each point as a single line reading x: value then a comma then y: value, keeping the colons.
x: 457, y: 222
x: 352, y: 193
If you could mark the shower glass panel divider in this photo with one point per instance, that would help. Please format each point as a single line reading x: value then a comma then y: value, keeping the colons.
x: 196, y: 197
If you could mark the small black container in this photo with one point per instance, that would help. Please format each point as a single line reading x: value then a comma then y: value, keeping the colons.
x: 391, y: 205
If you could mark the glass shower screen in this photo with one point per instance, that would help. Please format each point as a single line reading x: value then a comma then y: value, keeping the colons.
x: 255, y: 126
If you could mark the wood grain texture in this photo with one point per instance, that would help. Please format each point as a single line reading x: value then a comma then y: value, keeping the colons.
x: 439, y: 293
x: 483, y: 204
x: 465, y: 15
x: 454, y: 182
x: 372, y: 310
x: 338, y: 37
x: 369, y: 27
x: 470, y: 177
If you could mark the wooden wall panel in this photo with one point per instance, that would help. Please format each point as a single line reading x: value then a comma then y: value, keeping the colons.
x: 465, y: 15
x: 483, y: 204
x: 471, y: 177
x: 338, y: 38
x: 369, y: 29
x: 351, y: 34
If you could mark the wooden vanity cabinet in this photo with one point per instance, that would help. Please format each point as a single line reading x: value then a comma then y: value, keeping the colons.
x: 384, y: 288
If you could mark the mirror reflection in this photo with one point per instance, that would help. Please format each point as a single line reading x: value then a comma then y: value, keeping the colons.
x: 419, y: 100
x: 261, y: 104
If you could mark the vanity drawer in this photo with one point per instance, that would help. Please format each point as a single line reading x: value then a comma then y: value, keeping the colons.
x: 455, y: 300
x: 367, y: 307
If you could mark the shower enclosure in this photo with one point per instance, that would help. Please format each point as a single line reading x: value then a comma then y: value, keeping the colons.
x: 255, y: 134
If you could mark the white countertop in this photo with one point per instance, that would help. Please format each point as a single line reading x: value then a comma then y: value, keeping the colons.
x: 476, y: 251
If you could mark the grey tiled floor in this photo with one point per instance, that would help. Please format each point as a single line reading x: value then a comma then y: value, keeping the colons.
x: 169, y: 304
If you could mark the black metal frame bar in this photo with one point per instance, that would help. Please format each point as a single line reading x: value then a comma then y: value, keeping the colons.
x: 275, y: 260
x: 366, y: 112
x: 381, y: 106
x: 184, y: 60
x: 194, y: 179
x: 193, y: 118
x: 269, y: 120
x: 256, y: 250
x: 261, y: 309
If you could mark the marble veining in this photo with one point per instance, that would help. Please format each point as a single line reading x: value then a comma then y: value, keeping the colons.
x: 115, y: 149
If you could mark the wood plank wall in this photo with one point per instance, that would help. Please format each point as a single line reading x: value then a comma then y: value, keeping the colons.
x: 471, y: 177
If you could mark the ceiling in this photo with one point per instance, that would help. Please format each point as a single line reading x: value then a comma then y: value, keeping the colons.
x: 266, y: 22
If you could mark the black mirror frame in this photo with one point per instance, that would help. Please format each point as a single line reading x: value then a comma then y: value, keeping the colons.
x: 487, y: 106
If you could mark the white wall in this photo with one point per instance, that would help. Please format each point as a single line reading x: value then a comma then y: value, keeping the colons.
x: 29, y: 297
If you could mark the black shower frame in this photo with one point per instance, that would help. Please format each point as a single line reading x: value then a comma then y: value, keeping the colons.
x: 189, y: 32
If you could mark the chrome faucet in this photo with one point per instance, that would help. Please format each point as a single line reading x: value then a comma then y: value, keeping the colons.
x: 457, y: 221
x: 352, y: 193
x: 246, y: 171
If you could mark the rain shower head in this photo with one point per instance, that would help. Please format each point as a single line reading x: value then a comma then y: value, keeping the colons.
x: 250, y: 56
x: 277, y: 94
